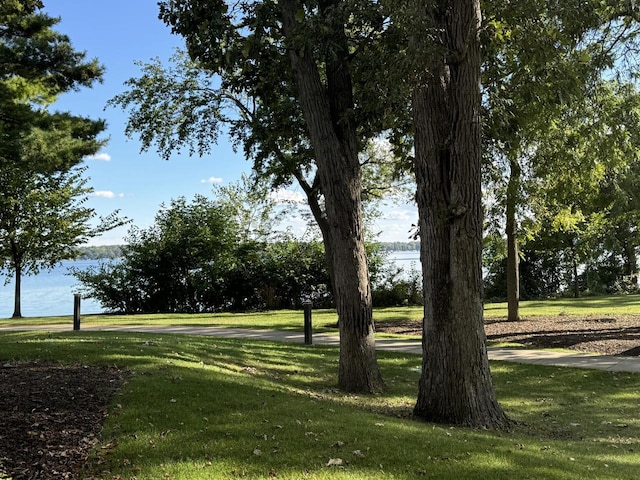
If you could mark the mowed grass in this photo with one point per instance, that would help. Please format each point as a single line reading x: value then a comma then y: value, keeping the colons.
x: 325, y: 320
x: 213, y: 408
x: 605, y: 305
x: 274, y: 320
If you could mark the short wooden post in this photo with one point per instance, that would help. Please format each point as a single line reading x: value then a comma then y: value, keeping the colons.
x: 308, y: 326
x: 76, y: 311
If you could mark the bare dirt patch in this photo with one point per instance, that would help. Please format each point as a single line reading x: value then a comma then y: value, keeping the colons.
x: 51, y: 416
x: 607, y: 335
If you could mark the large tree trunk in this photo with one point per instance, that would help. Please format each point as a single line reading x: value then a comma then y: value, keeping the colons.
x: 513, y: 259
x: 333, y: 135
x: 455, y: 385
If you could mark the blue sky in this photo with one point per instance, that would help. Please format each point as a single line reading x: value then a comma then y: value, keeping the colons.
x: 118, y: 33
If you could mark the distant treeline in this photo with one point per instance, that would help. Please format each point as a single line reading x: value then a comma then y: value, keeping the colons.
x: 400, y: 246
x: 103, y: 251
x: 115, y: 251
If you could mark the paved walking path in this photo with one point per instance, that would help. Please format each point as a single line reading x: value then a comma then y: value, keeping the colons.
x: 538, y: 357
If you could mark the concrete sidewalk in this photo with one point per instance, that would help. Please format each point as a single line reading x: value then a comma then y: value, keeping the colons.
x: 538, y: 357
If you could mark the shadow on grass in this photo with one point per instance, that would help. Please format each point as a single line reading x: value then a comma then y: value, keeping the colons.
x: 200, y: 407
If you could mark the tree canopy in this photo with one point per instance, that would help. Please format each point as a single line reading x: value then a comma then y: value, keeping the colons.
x: 37, y: 63
x: 299, y: 79
x: 304, y: 86
x: 543, y: 72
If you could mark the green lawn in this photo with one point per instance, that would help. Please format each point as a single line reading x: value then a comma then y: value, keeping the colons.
x: 606, y: 305
x: 277, y: 320
x: 209, y: 408
x: 323, y: 319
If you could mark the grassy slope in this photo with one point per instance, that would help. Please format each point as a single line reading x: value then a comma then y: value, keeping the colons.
x: 200, y: 408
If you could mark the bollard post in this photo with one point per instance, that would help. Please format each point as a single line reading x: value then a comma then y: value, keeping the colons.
x: 308, y: 327
x: 76, y: 312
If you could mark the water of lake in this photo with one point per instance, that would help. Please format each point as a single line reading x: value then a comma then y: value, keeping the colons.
x: 408, y: 261
x: 49, y: 293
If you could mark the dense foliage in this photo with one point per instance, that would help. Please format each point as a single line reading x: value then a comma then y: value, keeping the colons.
x: 398, y: 287
x: 548, y: 267
x: 561, y: 148
x: 208, y: 255
x: 99, y: 252
x: 196, y: 258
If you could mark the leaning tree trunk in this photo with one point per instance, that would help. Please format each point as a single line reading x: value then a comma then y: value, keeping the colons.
x: 333, y: 135
x: 455, y: 385
x: 313, y: 199
x: 513, y: 260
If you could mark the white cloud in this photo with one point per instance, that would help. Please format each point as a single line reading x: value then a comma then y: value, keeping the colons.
x: 287, y: 196
x: 106, y: 194
x: 396, y: 223
x: 104, y: 157
x: 399, y: 214
x: 213, y: 180
x: 393, y: 231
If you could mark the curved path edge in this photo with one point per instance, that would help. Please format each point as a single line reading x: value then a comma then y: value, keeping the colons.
x: 537, y: 357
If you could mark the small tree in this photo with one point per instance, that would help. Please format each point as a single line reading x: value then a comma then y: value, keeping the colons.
x: 42, y: 222
x: 542, y: 61
x: 183, y: 257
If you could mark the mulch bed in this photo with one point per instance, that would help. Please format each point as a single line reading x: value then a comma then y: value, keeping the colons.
x: 607, y: 335
x: 51, y: 416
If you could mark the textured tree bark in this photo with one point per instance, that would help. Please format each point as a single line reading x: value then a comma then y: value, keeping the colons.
x: 333, y: 136
x: 320, y: 217
x: 455, y: 385
x: 17, y: 268
x: 17, y: 295
x: 513, y: 259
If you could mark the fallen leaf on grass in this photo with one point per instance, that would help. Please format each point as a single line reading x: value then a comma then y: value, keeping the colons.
x: 334, y: 462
